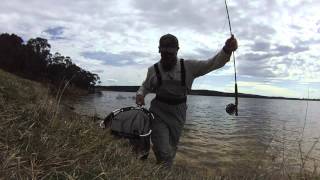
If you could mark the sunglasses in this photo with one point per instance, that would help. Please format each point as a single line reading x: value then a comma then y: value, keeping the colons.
x: 171, y: 50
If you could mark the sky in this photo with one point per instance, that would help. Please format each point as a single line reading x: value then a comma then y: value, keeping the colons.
x: 279, y: 40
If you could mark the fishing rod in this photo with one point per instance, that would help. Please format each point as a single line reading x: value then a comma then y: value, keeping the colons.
x: 232, y: 108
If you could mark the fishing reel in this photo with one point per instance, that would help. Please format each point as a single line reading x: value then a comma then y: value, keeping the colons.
x: 232, y: 109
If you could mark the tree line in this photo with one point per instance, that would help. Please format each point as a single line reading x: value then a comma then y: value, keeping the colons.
x: 33, y: 60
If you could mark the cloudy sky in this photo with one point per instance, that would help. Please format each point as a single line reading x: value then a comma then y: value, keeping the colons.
x: 279, y: 40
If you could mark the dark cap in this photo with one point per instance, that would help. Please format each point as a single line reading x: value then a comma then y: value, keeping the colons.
x: 168, y: 41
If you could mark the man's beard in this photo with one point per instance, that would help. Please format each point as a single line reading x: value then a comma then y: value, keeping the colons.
x: 168, y: 64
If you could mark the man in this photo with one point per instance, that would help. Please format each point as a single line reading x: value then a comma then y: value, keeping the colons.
x: 171, y: 79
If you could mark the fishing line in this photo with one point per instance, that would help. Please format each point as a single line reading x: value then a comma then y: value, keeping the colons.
x: 220, y: 31
x: 232, y: 108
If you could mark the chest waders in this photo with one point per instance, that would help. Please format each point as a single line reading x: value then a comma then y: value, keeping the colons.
x: 169, y: 109
x: 166, y: 87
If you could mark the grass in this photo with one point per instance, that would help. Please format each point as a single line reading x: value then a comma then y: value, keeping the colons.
x: 39, y: 139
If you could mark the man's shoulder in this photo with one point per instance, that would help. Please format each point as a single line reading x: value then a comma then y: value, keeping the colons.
x: 151, y: 67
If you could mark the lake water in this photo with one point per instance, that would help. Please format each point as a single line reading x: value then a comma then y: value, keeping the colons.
x: 265, y: 130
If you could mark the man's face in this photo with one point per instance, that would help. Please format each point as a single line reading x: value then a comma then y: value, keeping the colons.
x: 168, y: 59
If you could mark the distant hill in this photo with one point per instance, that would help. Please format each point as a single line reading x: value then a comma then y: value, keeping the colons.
x: 196, y: 92
x: 118, y: 88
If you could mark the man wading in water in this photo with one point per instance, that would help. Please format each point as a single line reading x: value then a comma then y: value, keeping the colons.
x: 171, y: 79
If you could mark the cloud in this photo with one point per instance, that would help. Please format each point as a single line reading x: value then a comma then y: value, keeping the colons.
x: 265, y: 89
x: 124, y: 58
x: 261, y: 46
x: 55, y: 33
x: 273, y: 61
x: 98, y: 71
x: 278, y: 40
x: 182, y: 14
x: 201, y: 53
x: 281, y: 50
x: 255, y: 31
x: 109, y: 58
x: 111, y: 80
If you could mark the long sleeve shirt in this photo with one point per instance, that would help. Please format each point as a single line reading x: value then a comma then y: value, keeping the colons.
x: 193, y: 69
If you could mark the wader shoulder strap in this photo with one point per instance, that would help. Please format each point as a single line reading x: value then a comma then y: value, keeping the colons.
x: 183, y: 73
x: 159, y: 79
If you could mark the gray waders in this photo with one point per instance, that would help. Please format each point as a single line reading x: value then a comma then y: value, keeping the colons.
x: 169, y: 110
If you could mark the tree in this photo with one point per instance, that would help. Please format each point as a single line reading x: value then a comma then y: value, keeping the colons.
x: 38, y: 56
x: 40, y: 46
x: 35, y: 61
x: 10, y: 52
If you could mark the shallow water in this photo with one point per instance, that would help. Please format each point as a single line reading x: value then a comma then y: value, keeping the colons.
x: 265, y: 130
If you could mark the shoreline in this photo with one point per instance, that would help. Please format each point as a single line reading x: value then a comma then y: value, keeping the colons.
x: 200, y: 92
